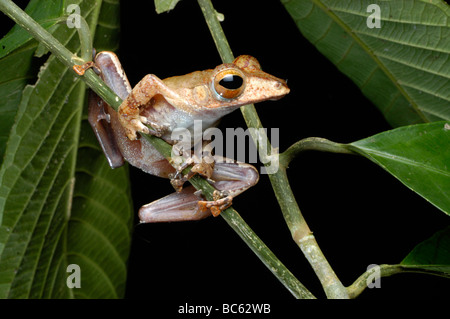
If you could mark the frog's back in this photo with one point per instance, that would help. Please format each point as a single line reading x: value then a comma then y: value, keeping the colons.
x: 188, y: 81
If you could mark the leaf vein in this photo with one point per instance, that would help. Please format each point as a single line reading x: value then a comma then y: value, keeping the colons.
x: 387, y: 19
x: 404, y: 160
x: 99, y: 269
x: 100, y: 234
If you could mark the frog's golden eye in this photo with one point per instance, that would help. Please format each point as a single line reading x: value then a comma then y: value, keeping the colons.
x: 229, y: 84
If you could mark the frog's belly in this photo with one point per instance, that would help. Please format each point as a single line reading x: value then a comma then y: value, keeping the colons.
x: 178, y: 122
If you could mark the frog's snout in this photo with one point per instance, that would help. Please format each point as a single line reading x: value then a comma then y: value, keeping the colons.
x: 281, y: 89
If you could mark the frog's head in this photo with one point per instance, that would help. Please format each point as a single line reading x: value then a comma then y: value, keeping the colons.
x: 243, y: 82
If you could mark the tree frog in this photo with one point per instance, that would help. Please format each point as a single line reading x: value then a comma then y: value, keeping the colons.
x: 173, y: 103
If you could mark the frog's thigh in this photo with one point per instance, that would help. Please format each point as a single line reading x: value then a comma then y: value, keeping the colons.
x: 178, y: 206
x: 234, y: 177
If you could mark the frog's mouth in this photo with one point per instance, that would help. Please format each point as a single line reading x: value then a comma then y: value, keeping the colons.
x: 284, y: 90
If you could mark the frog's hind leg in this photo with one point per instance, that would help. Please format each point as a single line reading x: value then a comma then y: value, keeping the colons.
x: 99, y: 120
x: 178, y: 206
x: 233, y: 177
x: 100, y: 112
x: 230, y: 179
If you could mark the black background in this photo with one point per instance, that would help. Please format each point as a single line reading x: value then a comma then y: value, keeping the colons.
x: 359, y: 214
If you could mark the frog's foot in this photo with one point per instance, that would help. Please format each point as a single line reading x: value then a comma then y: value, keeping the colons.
x: 177, y: 180
x: 81, y: 69
x: 221, y: 201
x: 204, y: 169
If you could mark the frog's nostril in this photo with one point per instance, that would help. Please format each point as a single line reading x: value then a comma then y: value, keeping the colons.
x: 280, y: 88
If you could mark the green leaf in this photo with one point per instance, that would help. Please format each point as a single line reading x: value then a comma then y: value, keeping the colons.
x: 402, y: 67
x: 16, y: 72
x: 433, y: 251
x: 165, y: 5
x: 432, y: 256
x: 107, y: 31
x: 44, y: 12
x: 16, y: 66
x: 418, y: 155
x: 60, y: 203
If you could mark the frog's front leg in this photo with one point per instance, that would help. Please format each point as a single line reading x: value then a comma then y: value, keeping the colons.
x: 142, y: 93
x: 231, y: 179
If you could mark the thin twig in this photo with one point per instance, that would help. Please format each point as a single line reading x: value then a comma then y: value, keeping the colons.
x: 312, y: 144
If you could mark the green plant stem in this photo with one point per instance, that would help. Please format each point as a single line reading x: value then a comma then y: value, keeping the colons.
x: 216, y: 30
x: 300, y: 231
x: 312, y: 144
x: 362, y: 282
x: 84, y: 33
x: 93, y: 81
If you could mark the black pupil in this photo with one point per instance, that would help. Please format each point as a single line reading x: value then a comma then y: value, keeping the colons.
x: 231, y: 82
